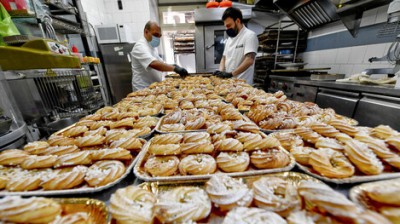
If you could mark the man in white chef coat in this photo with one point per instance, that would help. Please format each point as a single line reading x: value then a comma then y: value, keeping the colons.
x: 147, y: 66
x: 240, y: 49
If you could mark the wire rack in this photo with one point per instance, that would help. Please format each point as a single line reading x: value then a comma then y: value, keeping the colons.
x: 67, y: 92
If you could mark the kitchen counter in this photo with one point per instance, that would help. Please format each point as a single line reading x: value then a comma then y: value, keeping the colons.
x: 382, y: 90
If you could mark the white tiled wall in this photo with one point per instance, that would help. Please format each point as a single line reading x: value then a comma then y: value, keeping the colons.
x: 135, y: 13
x: 349, y: 60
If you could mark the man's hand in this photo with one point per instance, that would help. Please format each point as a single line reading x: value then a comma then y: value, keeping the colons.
x: 217, y: 73
x: 181, y: 71
x: 224, y: 75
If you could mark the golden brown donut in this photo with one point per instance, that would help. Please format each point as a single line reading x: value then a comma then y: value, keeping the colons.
x: 36, y: 162
x: 28, y: 210
x: 12, y: 157
x: 161, y: 165
x: 231, y: 162
x: 307, y: 134
x: 104, y: 172
x: 164, y: 150
x: 36, y: 147
x: 268, y: 142
x: 270, y: 159
x: 132, y: 205
x: 111, y: 153
x: 73, y: 159
x: 198, y: 164
x: 167, y: 139
x: 363, y: 157
x: 228, y: 145
x: 331, y: 163
x: 90, y: 140
x: 57, y: 140
x: 64, y: 178
x: 302, y: 154
x: 60, y: 150
x: 133, y: 144
x: 75, y: 131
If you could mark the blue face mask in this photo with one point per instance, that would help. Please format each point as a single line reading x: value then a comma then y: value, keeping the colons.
x: 155, y: 41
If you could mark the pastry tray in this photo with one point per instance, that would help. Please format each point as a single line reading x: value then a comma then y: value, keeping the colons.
x: 141, y: 174
x: 357, y: 194
x: 349, y: 180
x: 80, y: 190
x: 96, y: 209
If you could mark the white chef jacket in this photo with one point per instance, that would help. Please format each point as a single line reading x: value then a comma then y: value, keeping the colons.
x: 142, y: 55
x: 235, y: 50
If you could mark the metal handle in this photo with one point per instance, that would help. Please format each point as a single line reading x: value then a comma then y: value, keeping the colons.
x: 208, y: 47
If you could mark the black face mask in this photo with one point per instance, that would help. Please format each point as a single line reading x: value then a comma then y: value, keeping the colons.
x: 232, y: 32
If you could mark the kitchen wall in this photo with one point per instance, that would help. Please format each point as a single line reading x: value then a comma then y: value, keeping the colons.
x: 332, y: 45
x: 135, y: 13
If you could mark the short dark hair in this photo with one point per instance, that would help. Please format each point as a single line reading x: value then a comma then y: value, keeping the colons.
x: 233, y: 13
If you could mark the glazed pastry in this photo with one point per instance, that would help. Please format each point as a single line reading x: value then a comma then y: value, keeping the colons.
x: 104, y: 172
x: 124, y: 115
x: 197, y: 147
x: 196, y: 137
x: 93, y: 117
x: 324, y: 199
x: 3, y: 181
x: 12, y: 157
x: 186, y: 105
x: 392, y: 213
x: 86, y: 123
x: 104, y: 110
x: 379, y: 147
x: 244, y: 137
x: 325, y: 130
x: 387, y: 193
x: 167, y: 139
x: 74, y: 218
x: 28, y: 210
x: 133, y: 144
x: 246, y: 126
x: 343, y: 138
x: 124, y: 123
x: 24, y: 181
x: 307, y: 217
x: 288, y: 123
x: 111, y: 115
x: 60, y: 150
x: 65, y: 178
x: 383, y: 132
x: 329, y: 143
x: 172, y: 118
x: 271, y: 123
x: 261, y: 112
x: 116, y: 134
x: 132, y: 205
x: 36, y: 162
x: 231, y: 162
x: 331, y: 163
x: 307, y: 134
x: 164, y: 150
x: 371, y: 217
x: 146, y: 122
x: 100, y: 124
x: 198, y: 164
x: 36, y: 147
x: 268, y: 142
x: 161, y: 165
x: 72, y: 159
x: 252, y: 215
x: 58, y: 140
x: 302, y: 154
x: 394, y: 141
x: 111, y: 153
x: 172, y: 127
x: 228, y: 145
x: 90, y: 140
x: 363, y: 157
x: 195, y: 124
x: 140, y: 132
x: 270, y: 159
x: 343, y: 127
x: 218, y: 128
x: 231, y: 114
x: 75, y: 131
x: 183, y: 205
x: 227, y: 193
x: 276, y: 195
x: 100, y: 131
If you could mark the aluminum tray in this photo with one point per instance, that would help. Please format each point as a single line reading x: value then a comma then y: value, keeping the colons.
x: 81, y: 190
x: 357, y: 194
x: 350, y: 180
x: 96, y: 209
x: 141, y: 174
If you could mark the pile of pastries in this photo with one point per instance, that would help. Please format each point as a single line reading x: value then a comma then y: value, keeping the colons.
x: 383, y: 197
x: 14, y: 209
x: 338, y: 150
x: 227, y: 200
x: 235, y: 147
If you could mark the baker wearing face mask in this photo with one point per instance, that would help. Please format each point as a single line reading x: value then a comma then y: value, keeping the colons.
x: 240, y: 48
x: 147, y: 66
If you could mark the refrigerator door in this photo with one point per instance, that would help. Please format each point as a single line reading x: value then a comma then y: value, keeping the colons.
x: 117, y: 65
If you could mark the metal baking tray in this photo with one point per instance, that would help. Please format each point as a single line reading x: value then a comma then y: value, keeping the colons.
x: 96, y: 209
x: 81, y: 190
x: 141, y: 174
x: 350, y: 180
x: 357, y: 193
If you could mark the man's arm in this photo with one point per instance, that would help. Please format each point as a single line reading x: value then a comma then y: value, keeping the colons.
x: 222, y: 64
x: 246, y: 63
x: 161, y: 66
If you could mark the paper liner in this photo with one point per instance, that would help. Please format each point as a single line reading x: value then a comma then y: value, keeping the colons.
x: 96, y: 209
